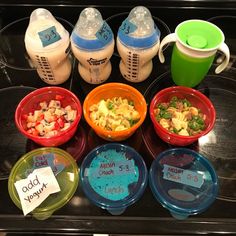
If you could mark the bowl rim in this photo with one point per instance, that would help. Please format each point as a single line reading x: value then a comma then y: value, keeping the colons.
x: 38, y: 92
x: 190, y: 91
x: 114, y: 85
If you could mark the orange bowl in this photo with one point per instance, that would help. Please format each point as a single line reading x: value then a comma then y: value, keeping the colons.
x: 111, y: 90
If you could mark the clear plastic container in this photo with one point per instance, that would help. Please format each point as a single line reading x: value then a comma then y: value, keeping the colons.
x: 113, y: 176
x: 64, y: 168
x: 183, y: 181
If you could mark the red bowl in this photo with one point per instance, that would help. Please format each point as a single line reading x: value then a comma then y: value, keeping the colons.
x: 30, y: 103
x: 197, y: 99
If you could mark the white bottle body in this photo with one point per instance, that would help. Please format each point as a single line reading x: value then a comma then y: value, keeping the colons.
x: 53, y: 67
x: 136, y: 63
x: 94, y: 66
x: 47, y: 44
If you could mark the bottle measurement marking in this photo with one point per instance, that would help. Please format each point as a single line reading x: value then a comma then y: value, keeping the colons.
x: 132, y: 65
x: 45, y: 68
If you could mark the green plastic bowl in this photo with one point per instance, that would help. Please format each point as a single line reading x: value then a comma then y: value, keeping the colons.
x: 65, y: 170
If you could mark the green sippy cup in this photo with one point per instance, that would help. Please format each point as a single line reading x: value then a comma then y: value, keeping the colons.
x: 196, y: 44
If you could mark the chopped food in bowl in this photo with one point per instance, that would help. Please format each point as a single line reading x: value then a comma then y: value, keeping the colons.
x: 181, y: 115
x: 114, y: 110
x: 50, y: 119
x: 49, y: 116
x: 114, y: 114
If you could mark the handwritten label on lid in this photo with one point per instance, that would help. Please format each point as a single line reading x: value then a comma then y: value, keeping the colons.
x: 36, y: 188
x: 114, y: 168
x: 127, y: 27
x: 104, y: 34
x: 182, y: 176
x: 49, y: 36
x: 44, y: 160
x: 112, y: 176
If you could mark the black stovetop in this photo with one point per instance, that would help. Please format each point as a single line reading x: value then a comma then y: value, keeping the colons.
x: 147, y: 216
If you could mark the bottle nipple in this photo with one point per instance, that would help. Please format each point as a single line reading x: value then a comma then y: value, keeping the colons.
x: 89, y: 22
x: 41, y: 14
x: 142, y: 18
x: 44, y: 31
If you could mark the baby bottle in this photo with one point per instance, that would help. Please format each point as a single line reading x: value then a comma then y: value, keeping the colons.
x: 47, y: 43
x: 137, y: 43
x: 92, y: 43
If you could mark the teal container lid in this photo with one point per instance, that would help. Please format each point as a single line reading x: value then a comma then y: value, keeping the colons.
x: 113, y: 176
x: 183, y: 181
x: 64, y: 168
x: 199, y: 34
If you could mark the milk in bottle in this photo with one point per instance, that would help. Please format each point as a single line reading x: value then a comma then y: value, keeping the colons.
x: 92, y: 43
x: 47, y: 43
x: 137, y: 43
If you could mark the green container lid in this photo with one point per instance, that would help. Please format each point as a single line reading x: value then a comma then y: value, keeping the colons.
x: 199, y: 34
x: 64, y: 168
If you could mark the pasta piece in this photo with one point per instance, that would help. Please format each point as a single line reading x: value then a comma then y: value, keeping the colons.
x: 180, y: 117
x: 164, y: 123
x: 113, y: 113
x: 183, y: 132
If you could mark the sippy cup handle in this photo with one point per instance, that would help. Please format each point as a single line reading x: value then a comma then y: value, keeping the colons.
x: 168, y: 39
x: 223, y: 48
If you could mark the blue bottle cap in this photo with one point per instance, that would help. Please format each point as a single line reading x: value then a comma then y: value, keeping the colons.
x: 113, y: 176
x: 104, y: 37
x: 91, y: 32
x: 183, y: 181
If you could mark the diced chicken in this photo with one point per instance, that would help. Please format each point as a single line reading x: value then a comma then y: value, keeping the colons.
x: 54, y: 104
x: 59, y: 112
x: 66, y: 126
x: 49, y: 127
x: 71, y: 115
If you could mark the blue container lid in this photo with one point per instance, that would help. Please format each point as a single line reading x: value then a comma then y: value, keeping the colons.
x: 183, y: 181
x: 113, y: 176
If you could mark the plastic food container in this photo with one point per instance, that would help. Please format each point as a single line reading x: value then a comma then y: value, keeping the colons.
x: 30, y: 103
x: 64, y: 168
x: 111, y: 90
x: 197, y: 99
x: 183, y: 181
x: 113, y: 176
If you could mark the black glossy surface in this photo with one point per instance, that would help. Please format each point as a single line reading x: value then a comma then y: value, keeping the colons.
x: 147, y: 216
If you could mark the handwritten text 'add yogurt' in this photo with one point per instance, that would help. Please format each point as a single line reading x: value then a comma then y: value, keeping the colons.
x: 34, y: 184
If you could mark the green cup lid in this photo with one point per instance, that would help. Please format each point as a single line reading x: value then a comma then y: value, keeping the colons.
x: 197, y: 41
x: 199, y: 34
